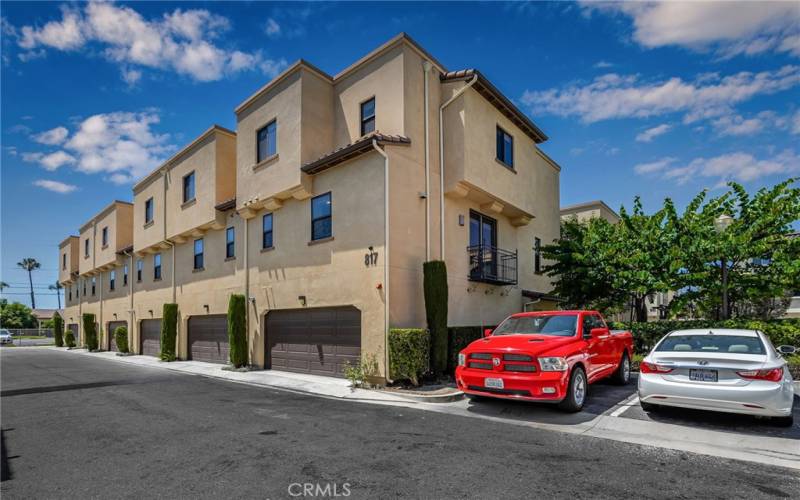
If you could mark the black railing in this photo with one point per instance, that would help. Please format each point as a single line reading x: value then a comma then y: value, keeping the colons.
x: 492, y: 265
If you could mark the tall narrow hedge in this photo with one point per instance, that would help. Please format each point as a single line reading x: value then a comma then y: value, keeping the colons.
x: 408, y: 353
x: 435, y: 287
x: 58, y: 330
x: 90, y: 332
x: 69, y: 339
x: 121, y: 338
x: 237, y: 330
x: 169, y: 332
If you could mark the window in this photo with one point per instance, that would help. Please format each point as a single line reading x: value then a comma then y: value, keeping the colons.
x: 267, y: 138
x: 266, y: 226
x: 139, y: 267
x: 505, y: 147
x: 368, y: 116
x: 537, y: 255
x: 105, y: 237
x: 112, y: 278
x: 230, y: 240
x: 125, y: 275
x: 559, y: 325
x: 188, y: 187
x: 712, y: 343
x: 94, y: 282
x: 64, y: 262
x: 84, y: 288
x: 198, y: 254
x: 148, y: 211
x: 70, y: 292
x: 157, y: 266
x: 321, y: 217
x: 86, y: 247
x: 590, y: 322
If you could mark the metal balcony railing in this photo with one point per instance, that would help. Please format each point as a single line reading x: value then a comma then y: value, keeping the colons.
x: 493, y: 265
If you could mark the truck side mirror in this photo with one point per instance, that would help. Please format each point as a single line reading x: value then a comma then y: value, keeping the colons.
x: 598, y: 332
x: 787, y: 349
x: 487, y: 332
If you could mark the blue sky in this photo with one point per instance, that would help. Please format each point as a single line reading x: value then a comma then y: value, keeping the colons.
x: 642, y: 99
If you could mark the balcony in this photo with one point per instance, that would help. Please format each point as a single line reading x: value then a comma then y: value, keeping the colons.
x: 489, y: 264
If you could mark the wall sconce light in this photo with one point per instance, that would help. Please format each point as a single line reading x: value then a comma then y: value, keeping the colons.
x: 206, y: 307
x: 460, y: 219
x: 302, y: 299
x: 115, y: 315
x: 379, y: 286
x: 370, y: 248
x: 151, y: 312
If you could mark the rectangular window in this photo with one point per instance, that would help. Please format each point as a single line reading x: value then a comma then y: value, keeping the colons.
x: 125, y: 275
x: 112, y: 278
x: 537, y: 255
x: 368, y: 116
x: 157, y: 266
x: 139, y: 268
x: 198, y: 254
x: 505, y: 147
x: 84, y: 288
x: 266, y: 227
x: 86, y: 247
x: 321, y: 217
x: 230, y: 242
x: 105, y: 237
x: 267, y: 138
x: 70, y: 292
x: 64, y: 262
x: 94, y: 283
x: 188, y: 187
x: 148, y: 211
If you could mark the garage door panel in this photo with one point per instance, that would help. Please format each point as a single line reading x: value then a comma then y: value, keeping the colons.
x: 208, y: 338
x: 150, y: 334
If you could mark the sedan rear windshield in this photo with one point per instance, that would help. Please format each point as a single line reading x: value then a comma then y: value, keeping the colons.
x: 561, y: 325
x: 734, y: 344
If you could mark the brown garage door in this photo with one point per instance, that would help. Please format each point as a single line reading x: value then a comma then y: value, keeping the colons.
x: 208, y: 338
x: 317, y: 341
x: 150, y: 334
x: 112, y: 327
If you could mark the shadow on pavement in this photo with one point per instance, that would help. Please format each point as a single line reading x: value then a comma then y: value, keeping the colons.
x: 57, y: 388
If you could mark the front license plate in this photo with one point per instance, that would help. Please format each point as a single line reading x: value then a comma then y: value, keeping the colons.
x: 703, y: 375
x: 493, y: 383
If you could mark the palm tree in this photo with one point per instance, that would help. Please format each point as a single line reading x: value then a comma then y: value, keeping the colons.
x: 57, y: 287
x: 3, y: 286
x: 30, y: 264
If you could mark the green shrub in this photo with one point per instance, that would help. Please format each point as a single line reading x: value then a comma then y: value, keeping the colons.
x: 408, y: 353
x: 435, y: 288
x: 69, y: 339
x: 169, y: 332
x: 90, y: 332
x: 459, y: 337
x: 121, y: 338
x: 358, y: 373
x: 645, y: 335
x: 58, y: 330
x: 237, y: 330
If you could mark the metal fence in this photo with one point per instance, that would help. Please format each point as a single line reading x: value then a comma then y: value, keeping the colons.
x: 41, y: 332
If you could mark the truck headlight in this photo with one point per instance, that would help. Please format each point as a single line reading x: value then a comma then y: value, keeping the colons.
x: 462, y: 359
x: 553, y: 364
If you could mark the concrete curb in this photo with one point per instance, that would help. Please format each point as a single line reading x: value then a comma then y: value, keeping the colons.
x: 434, y: 398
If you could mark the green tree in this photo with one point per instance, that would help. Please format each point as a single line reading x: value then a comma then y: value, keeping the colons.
x: 435, y: 291
x: 16, y: 315
x: 169, y: 332
x: 237, y: 330
x: 58, y: 330
x: 30, y: 264
x: 90, y: 332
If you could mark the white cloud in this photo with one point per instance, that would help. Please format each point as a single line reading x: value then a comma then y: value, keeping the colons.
x: 795, y: 125
x: 55, y: 186
x: 625, y: 96
x: 651, y: 133
x: 736, y: 166
x: 603, y: 65
x: 183, y: 41
x: 51, y: 161
x: 272, y: 28
x: 730, y: 29
x: 51, y: 137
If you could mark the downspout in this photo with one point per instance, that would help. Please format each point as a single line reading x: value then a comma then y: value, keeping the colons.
x: 441, y: 160
x: 247, y: 285
x: 426, y: 65
x: 131, y: 319
x: 165, y: 240
x: 385, y: 256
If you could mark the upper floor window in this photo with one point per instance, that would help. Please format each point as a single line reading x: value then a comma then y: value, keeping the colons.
x: 94, y: 283
x: 84, y: 288
x: 148, y: 210
x: 105, y: 237
x: 64, y: 262
x: 157, y: 266
x: 70, y: 292
x: 112, y: 279
x: 125, y: 275
x: 198, y: 254
x: 86, y: 247
x: 266, y: 231
x: 368, y: 116
x: 188, y: 187
x: 537, y: 255
x: 139, y: 267
x: 505, y: 147
x: 321, y: 217
x: 267, y: 138
x: 230, y: 241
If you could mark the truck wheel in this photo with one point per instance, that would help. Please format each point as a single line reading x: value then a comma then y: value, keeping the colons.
x: 623, y: 373
x: 576, y: 393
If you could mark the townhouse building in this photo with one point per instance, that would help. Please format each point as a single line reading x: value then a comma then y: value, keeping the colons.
x: 322, y: 207
x: 588, y: 210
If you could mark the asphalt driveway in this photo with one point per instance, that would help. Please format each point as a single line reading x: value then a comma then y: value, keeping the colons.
x: 77, y: 427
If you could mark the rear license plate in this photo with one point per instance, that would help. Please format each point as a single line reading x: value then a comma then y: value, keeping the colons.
x: 493, y: 383
x: 703, y: 375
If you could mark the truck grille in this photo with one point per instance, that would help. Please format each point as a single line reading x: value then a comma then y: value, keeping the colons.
x: 480, y: 366
x: 480, y: 355
x: 511, y: 367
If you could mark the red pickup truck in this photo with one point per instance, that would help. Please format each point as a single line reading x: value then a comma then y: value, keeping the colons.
x: 547, y: 356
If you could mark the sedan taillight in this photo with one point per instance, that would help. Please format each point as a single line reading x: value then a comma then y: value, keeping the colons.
x: 645, y: 367
x: 773, y: 375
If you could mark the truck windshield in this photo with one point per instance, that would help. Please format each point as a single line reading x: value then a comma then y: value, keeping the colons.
x: 560, y: 325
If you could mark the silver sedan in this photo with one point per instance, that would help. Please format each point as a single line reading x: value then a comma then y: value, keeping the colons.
x: 734, y: 371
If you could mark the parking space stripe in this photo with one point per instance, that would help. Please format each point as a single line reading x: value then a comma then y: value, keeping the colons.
x: 631, y: 401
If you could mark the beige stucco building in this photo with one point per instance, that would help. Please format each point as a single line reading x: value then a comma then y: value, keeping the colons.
x: 322, y: 207
x: 583, y: 212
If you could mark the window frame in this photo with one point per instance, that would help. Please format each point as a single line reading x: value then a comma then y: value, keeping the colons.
x: 230, y: 243
x: 104, y: 236
x: 200, y: 255
x: 112, y: 280
x: 190, y: 176
x: 64, y: 262
x: 157, y: 267
x: 149, y: 210
x: 315, y: 219
x: 537, y: 255
x: 125, y: 275
x: 267, y: 156
x: 94, y: 285
x: 372, y: 118
x: 86, y: 248
x: 139, y: 270
x: 271, y: 231
x: 502, y: 132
